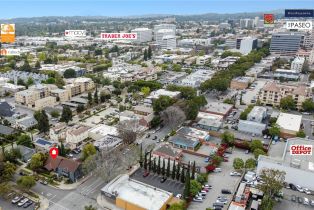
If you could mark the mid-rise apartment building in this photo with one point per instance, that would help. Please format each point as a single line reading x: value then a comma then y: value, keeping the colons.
x: 273, y: 92
x: 79, y: 85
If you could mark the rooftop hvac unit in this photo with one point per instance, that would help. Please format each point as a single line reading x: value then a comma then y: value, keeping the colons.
x: 295, y: 163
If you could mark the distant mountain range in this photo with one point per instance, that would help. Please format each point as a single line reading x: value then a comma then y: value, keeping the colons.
x: 197, y: 17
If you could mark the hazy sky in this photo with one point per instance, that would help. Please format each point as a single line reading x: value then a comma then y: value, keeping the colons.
x: 33, y: 8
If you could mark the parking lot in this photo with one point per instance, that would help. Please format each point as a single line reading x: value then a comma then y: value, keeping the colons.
x: 170, y: 185
x: 252, y: 93
x: 7, y: 205
x: 222, y: 180
x: 287, y: 204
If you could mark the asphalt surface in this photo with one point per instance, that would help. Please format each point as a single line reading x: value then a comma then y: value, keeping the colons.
x: 221, y: 180
x: 7, y: 205
x: 170, y: 185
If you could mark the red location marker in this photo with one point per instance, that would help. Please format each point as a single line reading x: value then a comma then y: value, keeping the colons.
x: 54, y: 152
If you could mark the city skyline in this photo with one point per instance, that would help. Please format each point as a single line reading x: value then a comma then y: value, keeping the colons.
x: 121, y: 8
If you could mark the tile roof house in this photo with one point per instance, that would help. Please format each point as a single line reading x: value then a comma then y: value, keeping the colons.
x: 65, y: 167
x: 167, y: 151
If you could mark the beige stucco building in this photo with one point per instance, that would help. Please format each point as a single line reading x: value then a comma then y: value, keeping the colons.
x: 273, y: 92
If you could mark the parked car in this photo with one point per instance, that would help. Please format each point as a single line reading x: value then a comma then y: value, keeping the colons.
x: 293, y: 187
x: 200, y: 195
x: 306, y: 201
x: 16, y: 199
x: 148, y: 135
x: 293, y: 198
x: 225, y: 191
x: 155, y: 137
x: 163, y: 179
x: 216, y: 170
x: 299, y: 188
x: 146, y: 173
x: 44, y: 182
x: 234, y: 173
x: 226, y: 160
x: 307, y: 191
x: 206, y: 160
x: 27, y: 204
x: 312, y: 203
x: 207, y: 186
x: 222, y: 201
x: 197, y: 199
x: 179, y: 196
x: 247, y: 151
x: 300, y: 200
x: 22, y: 202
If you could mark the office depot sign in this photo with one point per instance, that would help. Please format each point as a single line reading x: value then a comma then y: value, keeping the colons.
x: 300, y: 25
x: 75, y: 33
x: 7, y: 52
x: 110, y: 36
x: 301, y: 149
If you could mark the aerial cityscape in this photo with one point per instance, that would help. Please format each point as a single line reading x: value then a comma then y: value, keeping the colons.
x: 157, y: 105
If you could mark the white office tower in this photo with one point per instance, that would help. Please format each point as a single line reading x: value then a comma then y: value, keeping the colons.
x: 247, y: 45
x: 256, y: 21
x: 168, y: 42
x: 164, y: 26
x: 246, y: 23
x: 143, y: 35
x: 161, y: 33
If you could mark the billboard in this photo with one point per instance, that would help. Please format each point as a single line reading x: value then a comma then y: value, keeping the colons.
x: 307, y: 13
x: 7, y: 33
x: 111, y: 36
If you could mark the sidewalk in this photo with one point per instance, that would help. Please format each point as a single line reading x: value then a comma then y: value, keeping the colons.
x: 63, y: 186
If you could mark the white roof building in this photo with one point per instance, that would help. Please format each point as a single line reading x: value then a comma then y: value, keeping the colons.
x: 128, y: 191
x: 102, y: 130
x: 289, y: 123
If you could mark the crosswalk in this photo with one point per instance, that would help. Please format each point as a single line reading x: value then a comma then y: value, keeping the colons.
x: 88, y: 190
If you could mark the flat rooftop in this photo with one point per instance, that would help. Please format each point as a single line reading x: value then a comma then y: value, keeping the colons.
x: 290, y: 122
x: 140, y: 194
x: 303, y: 162
x: 217, y: 107
x: 193, y: 132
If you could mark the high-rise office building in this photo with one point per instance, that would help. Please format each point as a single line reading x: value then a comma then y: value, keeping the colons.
x: 164, y: 26
x: 286, y: 44
x: 143, y: 34
x: 246, y: 23
x: 161, y: 33
x: 168, y: 42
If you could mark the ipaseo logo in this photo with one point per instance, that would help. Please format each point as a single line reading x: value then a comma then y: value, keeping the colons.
x: 301, y: 149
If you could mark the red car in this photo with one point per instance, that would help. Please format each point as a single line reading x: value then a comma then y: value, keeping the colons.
x: 205, y: 189
x: 146, y: 173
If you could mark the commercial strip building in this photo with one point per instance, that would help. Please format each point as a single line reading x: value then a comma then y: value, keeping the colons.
x: 217, y: 108
x: 129, y: 194
x: 273, y: 92
x: 299, y: 168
